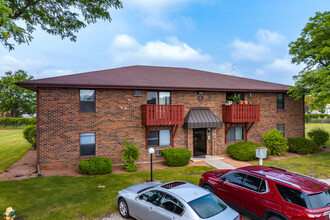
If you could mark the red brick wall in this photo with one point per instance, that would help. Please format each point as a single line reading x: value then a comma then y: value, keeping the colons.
x: 118, y: 116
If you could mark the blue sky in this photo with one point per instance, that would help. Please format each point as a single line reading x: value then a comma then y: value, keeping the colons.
x: 247, y: 38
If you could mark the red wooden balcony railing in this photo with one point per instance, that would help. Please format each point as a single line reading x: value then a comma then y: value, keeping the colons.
x: 240, y: 113
x: 162, y: 115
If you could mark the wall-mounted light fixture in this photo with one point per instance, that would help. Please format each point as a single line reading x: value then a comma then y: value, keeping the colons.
x: 200, y: 93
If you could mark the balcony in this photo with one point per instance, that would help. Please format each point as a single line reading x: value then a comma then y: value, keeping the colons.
x: 162, y: 115
x: 241, y: 113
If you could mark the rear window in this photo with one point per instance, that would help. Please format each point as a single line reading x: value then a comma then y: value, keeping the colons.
x: 310, y: 201
x: 320, y: 200
x: 207, y: 206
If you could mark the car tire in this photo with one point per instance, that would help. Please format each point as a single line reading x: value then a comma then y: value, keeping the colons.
x: 274, y: 218
x: 123, y: 208
x: 208, y: 188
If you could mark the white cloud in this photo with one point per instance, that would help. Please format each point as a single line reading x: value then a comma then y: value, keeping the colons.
x: 280, y: 70
x: 268, y: 37
x: 36, y: 68
x: 126, y: 50
x: 262, y: 50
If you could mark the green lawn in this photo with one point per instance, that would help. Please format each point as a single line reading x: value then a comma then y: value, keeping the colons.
x: 310, y: 126
x: 316, y: 165
x: 79, y: 197
x: 12, y: 147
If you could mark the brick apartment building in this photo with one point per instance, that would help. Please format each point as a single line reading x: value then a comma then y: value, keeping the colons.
x: 89, y: 114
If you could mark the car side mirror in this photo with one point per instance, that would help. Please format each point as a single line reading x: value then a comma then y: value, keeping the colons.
x: 222, y: 179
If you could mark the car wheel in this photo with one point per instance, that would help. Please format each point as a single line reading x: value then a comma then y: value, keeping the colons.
x: 208, y: 188
x: 274, y: 218
x: 123, y: 208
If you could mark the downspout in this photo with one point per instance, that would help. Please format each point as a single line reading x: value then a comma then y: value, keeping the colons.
x: 38, y: 134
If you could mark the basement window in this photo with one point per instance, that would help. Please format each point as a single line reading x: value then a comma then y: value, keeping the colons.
x: 87, y: 100
x: 87, y: 144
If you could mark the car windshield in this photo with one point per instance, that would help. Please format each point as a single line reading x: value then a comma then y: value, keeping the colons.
x: 320, y: 200
x: 207, y: 206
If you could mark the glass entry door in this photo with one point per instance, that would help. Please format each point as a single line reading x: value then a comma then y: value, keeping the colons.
x: 199, y: 142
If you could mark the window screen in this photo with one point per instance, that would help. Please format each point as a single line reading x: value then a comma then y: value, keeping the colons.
x: 87, y: 100
x: 87, y: 144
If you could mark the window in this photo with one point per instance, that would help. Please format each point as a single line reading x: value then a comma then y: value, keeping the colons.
x: 254, y: 183
x: 87, y: 144
x: 152, y: 197
x: 159, y: 138
x: 159, y: 98
x: 280, y: 101
x: 207, y: 206
x: 87, y: 100
x: 292, y: 195
x: 235, y: 134
x: 229, y: 95
x: 281, y: 129
x: 171, y: 204
x: 234, y: 178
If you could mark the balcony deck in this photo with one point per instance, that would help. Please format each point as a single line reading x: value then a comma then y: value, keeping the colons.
x: 162, y: 115
x: 240, y: 113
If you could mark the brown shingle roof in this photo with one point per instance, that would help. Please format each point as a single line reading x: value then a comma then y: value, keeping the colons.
x: 152, y: 77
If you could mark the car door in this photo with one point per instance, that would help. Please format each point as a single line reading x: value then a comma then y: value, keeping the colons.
x: 146, y: 206
x: 252, y: 194
x: 170, y: 208
x: 228, y: 187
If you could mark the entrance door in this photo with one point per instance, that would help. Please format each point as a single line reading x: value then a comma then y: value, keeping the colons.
x: 199, y: 141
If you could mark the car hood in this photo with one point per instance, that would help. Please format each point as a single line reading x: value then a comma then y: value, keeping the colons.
x: 140, y: 187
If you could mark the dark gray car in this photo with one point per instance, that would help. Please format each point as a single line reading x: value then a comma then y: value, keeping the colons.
x: 171, y: 201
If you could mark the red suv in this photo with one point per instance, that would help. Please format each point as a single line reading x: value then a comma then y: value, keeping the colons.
x: 270, y: 193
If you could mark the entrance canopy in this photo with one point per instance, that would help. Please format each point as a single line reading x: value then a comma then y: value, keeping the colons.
x: 201, y: 117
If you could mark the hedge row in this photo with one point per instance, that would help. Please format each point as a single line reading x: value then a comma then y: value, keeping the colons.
x: 7, y: 121
x: 308, y: 117
x: 95, y: 166
x: 244, y: 151
x: 301, y: 145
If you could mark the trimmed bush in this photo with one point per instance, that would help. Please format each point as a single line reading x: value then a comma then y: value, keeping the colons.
x: 130, y: 154
x: 244, y: 151
x: 176, y: 157
x: 275, y: 142
x: 319, y: 136
x: 301, y: 145
x: 95, y: 166
x: 7, y: 121
x: 30, y: 134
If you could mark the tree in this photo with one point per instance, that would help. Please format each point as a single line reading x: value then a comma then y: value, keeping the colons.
x: 13, y: 99
x: 313, y: 49
x: 56, y: 17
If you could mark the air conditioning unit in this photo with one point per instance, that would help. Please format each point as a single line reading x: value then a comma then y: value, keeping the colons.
x: 138, y: 92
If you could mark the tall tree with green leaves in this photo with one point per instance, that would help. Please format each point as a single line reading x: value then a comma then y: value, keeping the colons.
x: 15, y: 100
x: 312, y: 48
x: 56, y: 17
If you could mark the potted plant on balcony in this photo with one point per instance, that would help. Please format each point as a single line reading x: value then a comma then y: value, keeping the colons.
x: 236, y: 98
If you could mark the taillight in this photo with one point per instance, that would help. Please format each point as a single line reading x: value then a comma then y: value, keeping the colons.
x: 308, y: 215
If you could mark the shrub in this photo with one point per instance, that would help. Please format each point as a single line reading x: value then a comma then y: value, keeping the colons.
x: 30, y: 134
x: 319, y: 136
x: 176, y: 157
x: 96, y: 165
x: 7, y: 121
x: 130, y: 154
x: 301, y: 145
x: 244, y: 151
x: 275, y: 142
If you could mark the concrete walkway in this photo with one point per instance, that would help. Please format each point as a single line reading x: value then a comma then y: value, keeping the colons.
x: 214, y: 161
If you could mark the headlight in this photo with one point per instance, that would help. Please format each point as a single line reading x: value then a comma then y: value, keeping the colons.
x: 119, y: 192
